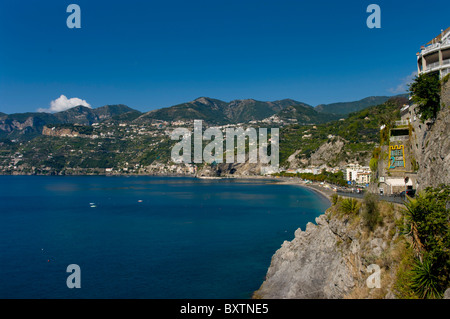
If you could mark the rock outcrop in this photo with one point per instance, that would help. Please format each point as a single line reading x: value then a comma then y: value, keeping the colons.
x: 309, y: 266
x: 327, y: 151
x: 61, y: 132
x: 233, y: 169
x: 434, y: 163
x: 431, y: 145
x: 330, y: 259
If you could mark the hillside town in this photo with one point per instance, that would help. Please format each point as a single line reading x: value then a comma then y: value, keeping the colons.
x: 100, y: 134
x: 142, y: 145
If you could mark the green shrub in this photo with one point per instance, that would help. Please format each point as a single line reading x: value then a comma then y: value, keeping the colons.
x: 425, y: 91
x: 427, y: 219
x: 371, y: 214
x: 349, y: 206
x: 373, y: 164
x: 403, y: 285
x: 334, y: 199
x: 445, y: 79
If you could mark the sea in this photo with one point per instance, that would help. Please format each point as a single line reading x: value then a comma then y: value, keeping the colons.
x: 135, y: 237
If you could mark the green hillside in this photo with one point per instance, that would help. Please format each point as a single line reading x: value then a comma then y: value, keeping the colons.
x: 305, y: 114
x: 219, y: 112
x: 206, y: 109
x: 349, y: 107
x: 360, y: 132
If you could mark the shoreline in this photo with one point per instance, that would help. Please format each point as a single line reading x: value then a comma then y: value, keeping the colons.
x: 323, y: 192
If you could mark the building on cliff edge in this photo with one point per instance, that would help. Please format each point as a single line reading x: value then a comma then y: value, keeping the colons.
x: 435, y: 55
x: 407, y: 149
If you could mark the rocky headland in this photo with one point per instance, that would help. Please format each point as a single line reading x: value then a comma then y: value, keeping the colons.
x: 330, y: 259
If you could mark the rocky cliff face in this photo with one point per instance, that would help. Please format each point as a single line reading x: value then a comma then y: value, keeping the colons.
x: 431, y: 146
x: 231, y: 169
x: 29, y: 125
x: 327, y: 152
x: 61, y: 132
x: 434, y: 163
x: 14, y: 124
x: 310, y: 266
x: 330, y: 260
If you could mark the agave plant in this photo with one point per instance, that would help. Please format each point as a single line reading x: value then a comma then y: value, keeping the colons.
x: 428, y: 219
x: 412, y: 213
x: 349, y: 205
x: 424, y: 282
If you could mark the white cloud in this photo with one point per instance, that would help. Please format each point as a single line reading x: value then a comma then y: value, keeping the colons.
x: 403, y: 86
x: 63, y: 103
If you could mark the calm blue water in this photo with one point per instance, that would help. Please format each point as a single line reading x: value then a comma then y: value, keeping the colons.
x: 188, y: 238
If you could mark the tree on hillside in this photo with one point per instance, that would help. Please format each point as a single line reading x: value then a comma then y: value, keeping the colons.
x: 425, y: 92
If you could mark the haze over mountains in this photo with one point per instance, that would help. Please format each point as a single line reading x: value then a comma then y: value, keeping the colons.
x: 349, y: 107
x: 213, y: 111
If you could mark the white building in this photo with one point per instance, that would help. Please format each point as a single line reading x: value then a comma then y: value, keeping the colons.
x: 435, y: 55
x: 357, y: 173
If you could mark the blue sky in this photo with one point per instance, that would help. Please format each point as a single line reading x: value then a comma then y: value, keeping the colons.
x: 152, y: 54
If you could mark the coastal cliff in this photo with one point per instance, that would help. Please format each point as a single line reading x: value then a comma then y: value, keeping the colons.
x: 61, y: 132
x: 431, y: 145
x: 330, y: 259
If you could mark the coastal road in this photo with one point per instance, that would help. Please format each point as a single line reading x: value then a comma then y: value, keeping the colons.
x: 328, y: 192
x: 392, y: 199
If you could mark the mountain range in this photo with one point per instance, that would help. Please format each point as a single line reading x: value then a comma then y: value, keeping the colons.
x: 219, y: 112
x: 30, y: 124
x: 213, y: 111
x: 349, y: 107
x: 88, y: 149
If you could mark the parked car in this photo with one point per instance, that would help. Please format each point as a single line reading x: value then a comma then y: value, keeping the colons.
x: 409, y: 192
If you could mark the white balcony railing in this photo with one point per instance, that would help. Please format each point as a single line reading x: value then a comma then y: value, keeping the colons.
x: 445, y: 72
x: 431, y: 47
x: 436, y: 66
x: 431, y: 66
x: 435, y: 46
